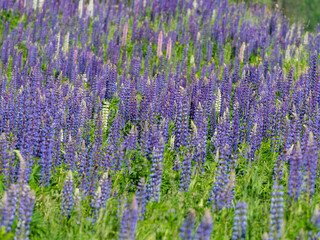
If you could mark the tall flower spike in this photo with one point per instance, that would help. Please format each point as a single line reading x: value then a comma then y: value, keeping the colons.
x: 26, y: 204
x: 169, y: 47
x: 80, y: 8
x: 105, y: 114
x: 205, y: 228
x: 24, y: 169
x: 125, y: 34
x: 218, y: 101
x: 105, y: 185
x: 96, y: 205
x: 67, y: 196
x: 142, y: 197
x: 186, y: 170
x: 129, y: 221
x: 90, y: 8
x: 188, y: 226
x: 8, y: 207
x: 153, y: 187
x: 66, y: 43
x: 310, y: 165
x: 295, y: 176
x: 242, y: 49
x: 159, y: 49
x: 276, y: 212
x: 77, y: 203
x: 240, y: 222
x: 223, y: 188
x: 315, y: 220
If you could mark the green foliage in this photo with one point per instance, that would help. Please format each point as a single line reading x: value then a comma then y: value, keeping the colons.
x: 306, y: 12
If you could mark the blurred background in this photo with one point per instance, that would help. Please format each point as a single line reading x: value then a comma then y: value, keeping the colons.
x: 306, y: 12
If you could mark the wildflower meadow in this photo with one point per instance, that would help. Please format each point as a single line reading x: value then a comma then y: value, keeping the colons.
x: 157, y: 119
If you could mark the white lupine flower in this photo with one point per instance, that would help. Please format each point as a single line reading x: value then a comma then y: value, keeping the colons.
x: 84, y: 77
x: 195, y: 4
x: 218, y: 101
x: 213, y: 15
x: 198, y: 36
x: 80, y: 8
x: 37, y: 3
x: 66, y: 43
x: 289, y: 34
x: 278, y: 27
x: 299, y: 32
x: 172, y: 139
x: 192, y: 60
x: 188, y: 12
x: 287, y: 55
x: 105, y: 114
x: 77, y: 201
x: 58, y: 45
x: 90, y: 8
x: 299, y: 52
x: 242, y: 49
x: 216, y: 158
x: 306, y: 39
x: 254, y: 129
x: 61, y: 135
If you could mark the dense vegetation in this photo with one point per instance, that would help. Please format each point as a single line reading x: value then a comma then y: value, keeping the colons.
x: 307, y: 12
x: 157, y: 119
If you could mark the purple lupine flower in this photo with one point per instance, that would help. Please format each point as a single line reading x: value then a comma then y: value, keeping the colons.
x: 96, y: 205
x: 276, y: 212
x: 295, y: 175
x: 223, y: 189
x: 5, y: 158
x: 240, y: 222
x: 154, y: 184
x: 129, y: 221
x: 141, y: 196
x: 181, y: 122
x: 186, y: 230
x: 70, y: 150
x: 205, y: 228
x: 201, y: 137
x: 24, y: 169
x: 67, y: 202
x: 8, y: 207
x: 310, y: 166
x: 26, y: 204
x: 315, y: 220
x: 105, y: 185
x: 222, y: 135
x: 186, y: 171
x: 176, y: 162
x: 132, y: 139
x: 47, y: 155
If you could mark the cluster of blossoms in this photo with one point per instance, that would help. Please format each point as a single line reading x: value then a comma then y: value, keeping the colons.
x: 240, y: 222
x: 18, y: 203
x: 84, y: 86
x: 276, y: 212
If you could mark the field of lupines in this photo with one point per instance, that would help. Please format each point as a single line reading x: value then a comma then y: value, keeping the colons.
x: 157, y: 119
